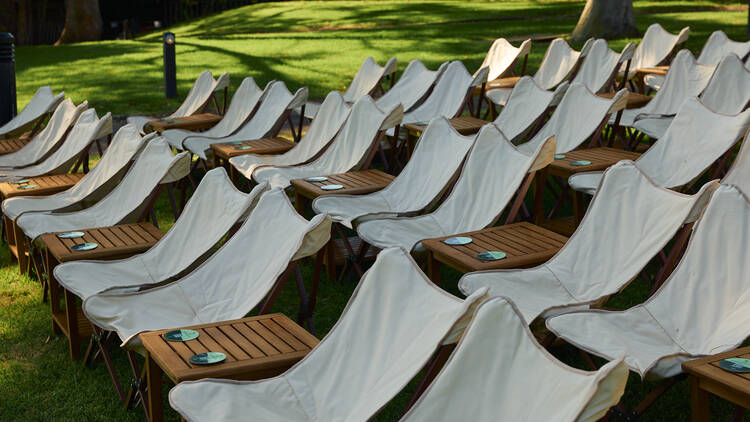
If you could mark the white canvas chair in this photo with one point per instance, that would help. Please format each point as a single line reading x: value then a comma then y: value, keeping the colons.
x: 215, y: 207
x: 697, y: 137
x: 43, y: 143
x: 641, y: 218
x: 518, y: 379
x: 601, y: 65
x: 413, y: 85
x: 701, y: 309
x: 393, y: 323
x: 351, y: 149
x: 42, y: 103
x: 418, y: 186
x: 527, y: 106
x: 727, y: 92
x: 368, y: 79
x: 739, y: 173
x: 332, y: 114
x: 87, y: 129
x: 656, y: 47
x: 477, y: 198
x: 568, y: 126
x: 204, y: 88
x: 276, y: 106
x: 502, y: 57
x: 559, y: 63
x: 243, y: 104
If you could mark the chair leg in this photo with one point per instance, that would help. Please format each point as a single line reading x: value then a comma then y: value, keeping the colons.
x: 101, y: 341
x: 431, y: 370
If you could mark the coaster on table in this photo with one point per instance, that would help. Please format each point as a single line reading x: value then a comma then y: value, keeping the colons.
x: 20, y: 182
x: 457, y: 241
x: 491, y: 255
x: 181, y: 335
x: 316, y: 179
x: 559, y: 156
x: 331, y: 187
x: 207, y: 358
x: 84, y: 247
x: 24, y: 187
x: 580, y: 163
x: 70, y: 235
x: 740, y: 365
x: 243, y: 147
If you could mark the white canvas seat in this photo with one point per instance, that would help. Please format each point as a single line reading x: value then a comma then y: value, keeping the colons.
x: 686, y: 78
x: 558, y: 64
x: 502, y: 56
x: 567, y: 123
x: 418, y: 185
x: 244, y: 102
x: 477, y: 198
x: 367, y: 80
x: 727, y: 92
x: 641, y: 217
x: 196, y: 99
x: 43, y: 143
x: 415, y: 82
x: 156, y: 164
x: 228, y: 285
x: 87, y: 129
x: 527, y: 103
x: 601, y: 65
x: 330, y: 117
x: 697, y: 137
x: 518, y: 379
x: 43, y: 102
x: 277, y: 103
x: 739, y: 173
x: 393, y: 323
x: 656, y: 47
x: 701, y: 309
x: 348, y: 151
x: 124, y: 149
x: 215, y: 207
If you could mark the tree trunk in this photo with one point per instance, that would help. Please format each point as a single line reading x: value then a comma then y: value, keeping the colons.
x: 23, y: 25
x: 606, y: 19
x: 83, y: 22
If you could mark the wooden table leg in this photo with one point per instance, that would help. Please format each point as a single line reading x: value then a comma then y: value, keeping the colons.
x: 578, y: 207
x: 540, y: 179
x: 700, y: 409
x: 20, y: 239
x: 433, y: 268
x: 71, y: 314
x: 54, y: 293
x: 153, y: 382
x: 10, y: 236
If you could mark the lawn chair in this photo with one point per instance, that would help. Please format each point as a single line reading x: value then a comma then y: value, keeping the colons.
x: 353, y: 148
x: 42, y: 104
x: 210, y: 215
x: 226, y: 286
x: 244, y: 103
x: 275, y: 108
x: 727, y: 92
x: 601, y: 66
x: 657, y: 47
x: 393, y: 323
x: 697, y: 138
x: 559, y: 63
x: 48, y: 139
x: 701, y: 309
x: 642, y: 218
x: 477, y: 198
x: 527, y: 108
x: 739, y: 173
x: 73, y: 152
x: 501, y: 61
x: 204, y: 89
x: 367, y: 81
x: 412, y: 87
x: 518, y: 379
x: 331, y: 116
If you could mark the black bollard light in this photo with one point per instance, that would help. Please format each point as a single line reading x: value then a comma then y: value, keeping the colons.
x: 170, y: 68
x: 7, y: 78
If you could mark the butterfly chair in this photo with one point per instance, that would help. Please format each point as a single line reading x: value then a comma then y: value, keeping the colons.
x: 393, y: 323
x: 657, y: 47
x: 601, y: 66
x: 42, y: 104
x: 501, y: 61
x: 412, y: 87
x: 701, y: 309
x: 528, y: 108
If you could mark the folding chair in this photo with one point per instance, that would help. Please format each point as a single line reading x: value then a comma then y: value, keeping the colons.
x: 353, y: 147
x: 501, y: 61
x: 204, y: 90
x: 42, y: 104
x: 411, y: 88
x: 331, y: 114
x: 517, y: 377
x: 393, y: 323
x: 657, y: 47
x: 527, y: 109
x: 701, y: 309
x: 601, y: 66
x: 367, y: 81
x: 739, y: 173
x: 641, y: 218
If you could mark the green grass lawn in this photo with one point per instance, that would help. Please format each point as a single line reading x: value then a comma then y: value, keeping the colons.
x: 318, y: 44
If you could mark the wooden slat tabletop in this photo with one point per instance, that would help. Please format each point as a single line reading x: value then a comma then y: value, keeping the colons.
x: 524, y: 243
x: 465, y: 125
x: 656, y: 70
x: 13, y: 144
x: 708, y: 367
x: 635, y: 100
x: 508, y: 82
x: 354, y: 183
x: 272, y: 145
x: 124, y: 239
x: 194, y: 122
x: 600, y: 158
x: 254, y: 347
x: 46, y: 185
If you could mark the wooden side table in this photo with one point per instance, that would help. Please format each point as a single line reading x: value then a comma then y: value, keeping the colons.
x: 13, y: 144
x: 601, y: 158
x: 226, y: 150
x: 706, y: 377
x: 257, y: 347
x: 525, y: 245
x: 635, y: 100
x: 115, y: 242
x: 201, y: 121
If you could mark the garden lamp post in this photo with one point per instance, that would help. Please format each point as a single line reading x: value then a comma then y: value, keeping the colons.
x: 170, y: 68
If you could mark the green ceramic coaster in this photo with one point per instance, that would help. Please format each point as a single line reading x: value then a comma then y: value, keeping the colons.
x: 20, y: 182
x: 331, y: 187
x: 559, y: 156
x: 491, y: 255
x: 455, y: 241
x: 207, y: 358
x: 181, y: 335
x: 70, y: 235
x: 243, y: 147
x: 317, y: 179
x: 24, y: 187
x: 580, y: 163
x: 236, y: 143
x: 736, y: 365
x: 84, y: 247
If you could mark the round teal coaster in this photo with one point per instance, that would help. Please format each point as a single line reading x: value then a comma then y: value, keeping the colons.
x: 317, y: 179
x: 243, y: 148
x: 70, y: 235
x: 21, y: 182
x: 84, y: 247
x: 24, y: 187
x: 491, y: 255
x: 559, y: 156
x: 456, y: 241
x: 331, y: 187
x: 207, y: 358
x: 740, y: 365
x: 236, y: 143
x: 580, y: 163
x: 181, y: 335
